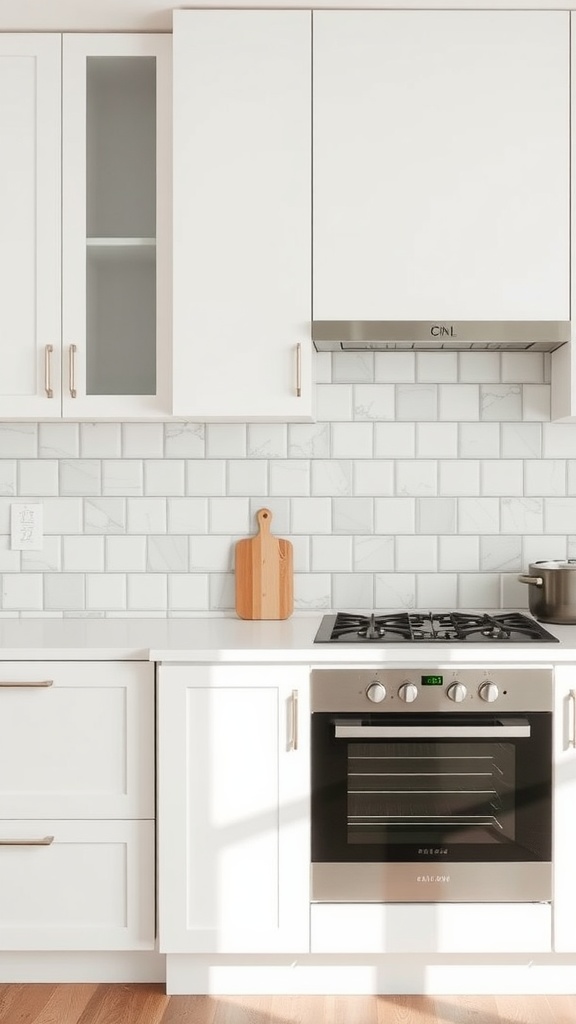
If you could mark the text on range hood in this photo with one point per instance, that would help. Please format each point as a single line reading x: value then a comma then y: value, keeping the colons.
x: 382, y: 335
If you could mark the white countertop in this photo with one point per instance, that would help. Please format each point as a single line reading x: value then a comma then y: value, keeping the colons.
x: 230, y: 640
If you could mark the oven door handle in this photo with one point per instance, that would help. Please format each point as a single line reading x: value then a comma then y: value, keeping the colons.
x: 507, y: 730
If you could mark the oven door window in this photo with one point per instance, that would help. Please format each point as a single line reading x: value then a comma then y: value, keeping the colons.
x: 478, y: 788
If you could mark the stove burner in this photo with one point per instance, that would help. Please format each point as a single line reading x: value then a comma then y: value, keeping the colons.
x: 431, y: 627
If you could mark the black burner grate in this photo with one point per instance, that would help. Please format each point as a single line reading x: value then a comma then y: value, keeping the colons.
x: 431, y: 627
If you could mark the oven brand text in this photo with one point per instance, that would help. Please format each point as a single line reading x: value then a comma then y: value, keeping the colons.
x: 433, y: 851
x: 433, y: 878
x: 443, y: 331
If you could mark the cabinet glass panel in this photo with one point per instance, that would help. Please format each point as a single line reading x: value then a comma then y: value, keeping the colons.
x: 121, y: 226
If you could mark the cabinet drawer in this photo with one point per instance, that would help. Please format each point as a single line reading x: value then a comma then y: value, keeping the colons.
x: 76, y: 740
x: 77, y: 885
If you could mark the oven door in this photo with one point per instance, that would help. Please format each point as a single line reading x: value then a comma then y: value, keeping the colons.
x: 431, y: 807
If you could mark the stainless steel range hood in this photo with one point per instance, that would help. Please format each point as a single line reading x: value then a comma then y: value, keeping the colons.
x: 462, y: 335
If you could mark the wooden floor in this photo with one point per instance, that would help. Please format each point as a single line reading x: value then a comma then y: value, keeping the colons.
x: 147, y: 1004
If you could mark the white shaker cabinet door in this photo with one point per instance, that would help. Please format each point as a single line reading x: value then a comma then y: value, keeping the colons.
x: 233, y: 809
x: 30, y: 226
x: 242, y: 215
x: 564, y: 818
x: 441, y: 165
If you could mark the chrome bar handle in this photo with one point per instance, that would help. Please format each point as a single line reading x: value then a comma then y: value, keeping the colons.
x: 46, y: 841
x: 298, y: 370
x: 25, y: 682
x: 72, y: 371
x: 572, y: 738
x: 417, y: 732
x: 48, y: 371
x: 294, y: 720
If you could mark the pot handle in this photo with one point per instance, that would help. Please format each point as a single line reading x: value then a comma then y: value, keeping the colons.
x: 535, y: 581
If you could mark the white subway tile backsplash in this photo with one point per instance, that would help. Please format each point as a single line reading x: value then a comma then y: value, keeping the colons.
x: 459, y: 476
x: 395, y: 515
x: 394, y: 367
x: 500, y: 402
x: 353, y: 515
x: 374, y: 401
x: 521, y: 440
x: 352, y: 366
x: 545, y: 476
x: 458, y: 402
x: 373, y: 554
x: 246, y: 477
x: 184, y: 440
x: 164, y: 477
x: 226, y: 440
x: 418, y: 477
x: 501, y: 476
x: 536, y: 402
x: 436, y: 367
x: 334, y: 402
x: 122, y: 477
x: 373, y: 476
x: 57, y: 441
x: 394, y: 440
x: 416, y: 402
x: 428, y: 480
x: 394, y: 590
x: 522, y: 515
x: 35, y: 477
x: 479, y: 440
x: 523, y: 367
x: 329, y: 477
x: 353, y: 590
x: 100, y: 440
x: 288, y: 477
x: 332, y: 554
x: 106, y: 591
x: 416, y: 554
x: 144, y: 516
x: 268, y: 440
x: 142, y: 440
x: 83, y: 554
x: 432, y: 438
x: 352, y: 440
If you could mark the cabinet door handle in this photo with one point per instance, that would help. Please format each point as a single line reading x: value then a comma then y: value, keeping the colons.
x: 48, y: 371
x: 72, y: 371
x: 294, y: 720
x: 572, y: 737
x: 25, y: 682
x: 298, y: 370
x: 46, y: 841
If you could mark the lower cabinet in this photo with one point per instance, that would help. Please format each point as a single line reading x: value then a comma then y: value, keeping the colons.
x: 564, y: 816
x: 233, y: 805
x: 77, y: 806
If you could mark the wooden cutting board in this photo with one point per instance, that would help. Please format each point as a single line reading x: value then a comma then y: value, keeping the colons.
x: 264, y: 578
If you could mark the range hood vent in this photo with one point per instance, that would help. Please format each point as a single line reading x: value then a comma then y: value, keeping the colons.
x: 462, y: 335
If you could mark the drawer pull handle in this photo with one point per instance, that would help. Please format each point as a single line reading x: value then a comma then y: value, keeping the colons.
x: 298, y: 370
x: 47, y: 371
x: 72, y: 371
x: 24, y: 682
x: 46, y: 841
x: 572, y: 738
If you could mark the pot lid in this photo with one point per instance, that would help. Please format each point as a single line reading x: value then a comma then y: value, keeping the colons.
x: 568, y: 563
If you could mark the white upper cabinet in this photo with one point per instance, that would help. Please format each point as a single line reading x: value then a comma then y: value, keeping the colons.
x: 85, y: 213
x: 30, y: 219
x: 115, y: 226
x: 441, y: 165
x: 242, y: 215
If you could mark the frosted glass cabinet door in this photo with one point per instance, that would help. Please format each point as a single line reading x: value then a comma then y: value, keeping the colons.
x: 441, y: 165
x: 29, y: 225
x: 115, y: 226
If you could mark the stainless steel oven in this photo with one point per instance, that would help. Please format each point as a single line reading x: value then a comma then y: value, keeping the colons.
x: 431, y: 784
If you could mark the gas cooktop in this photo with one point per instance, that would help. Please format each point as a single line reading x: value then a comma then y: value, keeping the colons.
x: 430, y: 627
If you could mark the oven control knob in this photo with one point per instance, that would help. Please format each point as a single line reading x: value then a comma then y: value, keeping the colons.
x: 376, y: 692
x: 408, y: 692
x: 457, y: 692
x: 489, y: 691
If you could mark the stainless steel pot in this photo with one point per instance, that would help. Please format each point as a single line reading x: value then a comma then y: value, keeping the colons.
x: 552, y: 593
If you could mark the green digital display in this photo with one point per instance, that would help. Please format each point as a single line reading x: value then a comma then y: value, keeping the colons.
x: 432, y: 680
